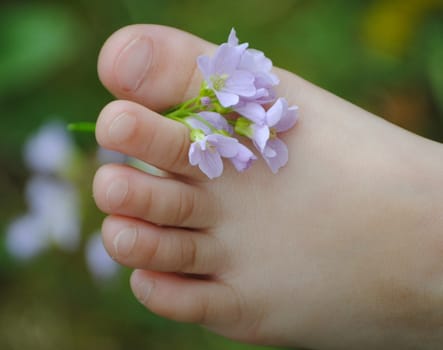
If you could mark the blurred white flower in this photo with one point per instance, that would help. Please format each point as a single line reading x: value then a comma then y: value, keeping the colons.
x: 53, y: 218
x: 100, y: 264
x: 50, y: 150
x: 57, y: 203
x: 26, y: 237
x: 54, y: 214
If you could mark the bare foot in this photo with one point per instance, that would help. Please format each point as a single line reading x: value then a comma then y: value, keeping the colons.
x: 340, y: 250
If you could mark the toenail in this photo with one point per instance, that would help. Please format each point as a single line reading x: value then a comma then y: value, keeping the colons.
x: 133, y: 63
x: 125, y: 241
x: 143, y: 289
x: 122, y: 127
x: 117, y: 192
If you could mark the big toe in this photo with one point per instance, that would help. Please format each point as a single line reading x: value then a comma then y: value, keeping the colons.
x: 152, y: 65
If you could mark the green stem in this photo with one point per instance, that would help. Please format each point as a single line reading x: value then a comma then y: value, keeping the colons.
x: 178, y: 113
x: 82, y: 127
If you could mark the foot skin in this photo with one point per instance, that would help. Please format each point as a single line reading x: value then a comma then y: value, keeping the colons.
x: 341, y: 249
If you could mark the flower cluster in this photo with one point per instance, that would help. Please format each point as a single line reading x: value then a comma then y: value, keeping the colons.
x: 237, y: 97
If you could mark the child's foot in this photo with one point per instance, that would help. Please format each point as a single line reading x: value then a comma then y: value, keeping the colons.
x: 338, y: 250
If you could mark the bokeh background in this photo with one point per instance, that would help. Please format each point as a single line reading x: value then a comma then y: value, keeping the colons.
x: 58, y: 289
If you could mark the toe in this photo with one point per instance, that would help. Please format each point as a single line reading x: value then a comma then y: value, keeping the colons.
x: 142, y: 245
x: 132, y: 129
x: 152, y: 65
x: 126, y: 191
x: 183, y: 299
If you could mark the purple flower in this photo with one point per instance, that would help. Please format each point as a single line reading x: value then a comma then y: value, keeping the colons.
x: 210, y: 132
x: 275, y: 154
x: 242, y: 81
x: 237, y: 74
x: 207, y: 150
x: 255, y: 62
x: 265, y: 127
x: 244, y: 158
x: 223, y: 76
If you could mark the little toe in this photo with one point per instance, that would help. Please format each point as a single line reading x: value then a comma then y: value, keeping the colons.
x: 182, y: 299
x: 142, y: 245
x: 126, y: 191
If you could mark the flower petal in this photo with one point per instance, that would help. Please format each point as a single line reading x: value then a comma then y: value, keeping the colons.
x: 194, y: 153
x: 226, y: 146
x: 288, y: 119
x: 260, y: 136
x: 275, y: 113
x: 281, y: 158
x: 255, y: 61
x: 204, y: 64
x: 226, y: 59
x: 232, y: 39
x: 217, y: 121
x: 227, y: 99
x: 268, y: 152
x: 252, y: 111
x: 211, y: 164
x: 241, y: 83
x: 195, y: 123
x: 244, y: 158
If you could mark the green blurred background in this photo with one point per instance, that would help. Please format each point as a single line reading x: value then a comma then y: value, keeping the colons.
x: 386, y: 56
